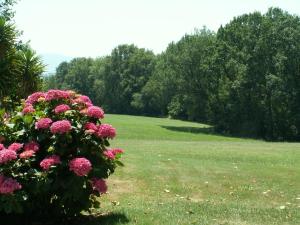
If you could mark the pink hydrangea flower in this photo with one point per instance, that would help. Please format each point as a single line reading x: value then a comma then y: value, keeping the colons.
x: 90, y: 131
x: 35, y: 97
x: 50, y: 161
x: 80, y: 166
x: 34, y: 146
x: 90, y: 126
x: 7, y: 155
x: 117, y: 151
x: 106, y: 131
x: 15, y: 147
x: 43, y: 123
x: 83, y: 99
x: 56, y: 94
x: 109, y: 154
x: 61, y: 108
x: 28, y: 109
x: 2, y: 147
x: 95, y: 112
x: 61, y: 127
x: 8, y: 185
x: 27, y: 154
x: 99, y: 185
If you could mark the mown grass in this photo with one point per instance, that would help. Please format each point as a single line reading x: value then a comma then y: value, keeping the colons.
x: 178, y: 173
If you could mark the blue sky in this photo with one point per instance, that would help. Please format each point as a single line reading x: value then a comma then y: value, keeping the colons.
x: 94, y: 27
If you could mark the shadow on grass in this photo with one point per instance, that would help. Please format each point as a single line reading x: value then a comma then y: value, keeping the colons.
x: 194, y: 130
x: 205, y: 130
x: 110, y: 218
x: 99, y: 219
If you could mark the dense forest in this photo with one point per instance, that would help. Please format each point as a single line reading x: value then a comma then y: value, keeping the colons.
x: 244, y: 79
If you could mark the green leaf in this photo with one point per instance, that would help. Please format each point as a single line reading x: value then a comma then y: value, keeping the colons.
x: 28, y: 119
x: 106, y: 143
x: 2, y: 112
x: 119, y: 163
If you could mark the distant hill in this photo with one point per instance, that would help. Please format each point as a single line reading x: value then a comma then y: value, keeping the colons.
x: 53, y: 60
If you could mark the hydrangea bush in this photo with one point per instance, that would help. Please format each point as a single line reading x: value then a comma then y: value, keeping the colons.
x: 55, y: 155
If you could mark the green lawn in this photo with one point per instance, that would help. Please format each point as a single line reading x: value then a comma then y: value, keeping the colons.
x: 177, y: 173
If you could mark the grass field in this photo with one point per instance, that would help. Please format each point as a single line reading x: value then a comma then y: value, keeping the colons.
x: 177, y: 173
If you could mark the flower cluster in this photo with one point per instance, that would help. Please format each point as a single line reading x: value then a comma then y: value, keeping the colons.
x: 95, y: 112
x: 15, y: 147
x: 56, y: 94
x: 91, y: 127
x: 84, y: 100
x: 30, y: 149
x: 43, y: 123
x: 10, y: 153
x: 112, y: 153
x: 27, y: 154
x: 106, y: 131
x: 7, y: 155
x: 60, y: 127
x: 50, y: 161
x: 99, y: 185
x: 34, y: 98
x: 60, y: 143
x: 61, y: 108
x: 28, y: 109
x: 80, y: 166
x: 33, y: 146
x: 102, y: 131
x: 8, y: 185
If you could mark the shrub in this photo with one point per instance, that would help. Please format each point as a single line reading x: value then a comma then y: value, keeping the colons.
x: 55, y: 156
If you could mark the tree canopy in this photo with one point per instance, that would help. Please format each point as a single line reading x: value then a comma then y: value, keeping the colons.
x: 244, y: 79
